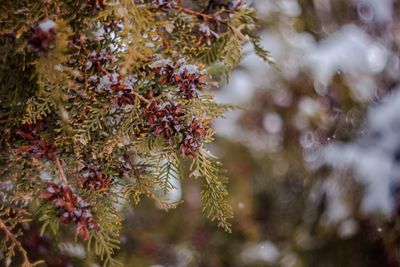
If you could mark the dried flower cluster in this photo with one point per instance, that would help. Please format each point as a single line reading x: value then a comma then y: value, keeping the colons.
x: 37, y: 146
x: 164, y: 120
x: 93, y: 178
x: 98, y: 60
x: 43, y: 37
x: 193, y: 138
x: 187, y: 78
x: 71, y: 208
x: 168, y: 120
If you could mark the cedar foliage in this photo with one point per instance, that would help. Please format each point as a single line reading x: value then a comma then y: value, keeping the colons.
x: 105, y: 101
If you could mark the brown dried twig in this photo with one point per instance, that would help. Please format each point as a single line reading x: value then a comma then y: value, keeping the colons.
x: 10, y: 236
x: 199, y: 14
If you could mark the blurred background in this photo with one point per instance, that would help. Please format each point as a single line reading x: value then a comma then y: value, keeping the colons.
x: 313, y: 154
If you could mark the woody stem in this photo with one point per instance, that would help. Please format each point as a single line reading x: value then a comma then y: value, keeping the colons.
x: 133, y: 92
x: 199, y: 14
x: 61, y: 171
x: 13, y: 238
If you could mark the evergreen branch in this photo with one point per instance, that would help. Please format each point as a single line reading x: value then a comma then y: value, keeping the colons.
x: 137, y: 85
x: 37, y: 108
x: 104, y: 246
x: 10, y: 236
x: 214, y: 192
x: 232, y: 52
x: 105, y: 240
x: 48, y: 218
x: 168, y: 169
x: 259, y: 50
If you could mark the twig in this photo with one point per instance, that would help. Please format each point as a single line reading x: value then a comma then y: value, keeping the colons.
x: 141, y: 97
x: 61, y: 171
x: 13, y: 238
x: 102, y: 69
x: 199, y: 14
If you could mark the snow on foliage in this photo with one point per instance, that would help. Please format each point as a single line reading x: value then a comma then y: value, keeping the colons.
x: 374, y: 155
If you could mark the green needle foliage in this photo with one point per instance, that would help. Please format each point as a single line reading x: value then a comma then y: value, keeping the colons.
x: 104, y: 101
